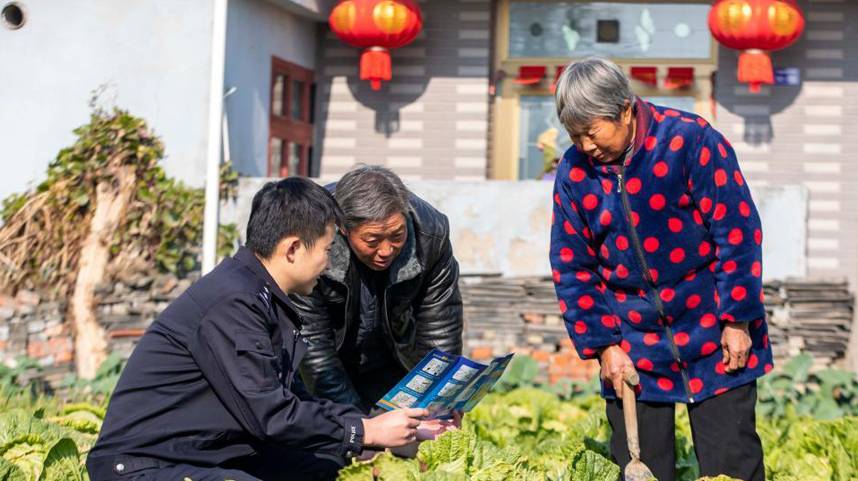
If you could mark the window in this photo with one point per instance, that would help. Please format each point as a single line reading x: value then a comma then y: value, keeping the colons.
x: 290, y: 127
x: 609, y: 29
x: 541, y: 136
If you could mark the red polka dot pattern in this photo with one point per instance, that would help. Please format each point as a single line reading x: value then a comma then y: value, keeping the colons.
x: 692, y: 302
x: 608, y: 321
x: 567, y: 226
x: 677, y: 255
x: 650, y: 143
x: 753, y: 361
x: 720, y: 211
x: 635, y: 317
x: 705, y: 155
x: 590, y: 201
x: 651, y: 244
x: 644, y: 364
x: 696, y: 385
x: 674, y: 224
x: 657, y: 202
x: 676, y: 143
x: 633, y: 186
x: 682, y: 204
x: 735, y: 236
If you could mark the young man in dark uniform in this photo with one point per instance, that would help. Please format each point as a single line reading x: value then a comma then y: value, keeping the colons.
x: 212, y: 390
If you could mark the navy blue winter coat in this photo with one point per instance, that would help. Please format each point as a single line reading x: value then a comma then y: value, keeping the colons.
x: 655, y: 255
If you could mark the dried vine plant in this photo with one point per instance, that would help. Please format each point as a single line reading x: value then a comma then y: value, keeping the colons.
x: 160, y: 229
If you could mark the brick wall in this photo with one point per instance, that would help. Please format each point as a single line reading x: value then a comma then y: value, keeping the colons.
x: 431, y: 121
x: 36, y: 328
x: 502, y: 315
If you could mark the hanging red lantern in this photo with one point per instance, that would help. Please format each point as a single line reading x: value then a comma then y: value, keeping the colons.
x: 756, y: 27
x: 376, y: 26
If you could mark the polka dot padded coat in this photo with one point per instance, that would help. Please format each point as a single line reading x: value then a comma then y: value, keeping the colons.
x: 656, y: 254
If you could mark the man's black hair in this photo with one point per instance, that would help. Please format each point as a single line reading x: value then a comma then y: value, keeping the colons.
x: 292, y: 206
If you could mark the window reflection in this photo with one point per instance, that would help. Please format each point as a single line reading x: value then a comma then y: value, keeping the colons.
x: 619, y: 30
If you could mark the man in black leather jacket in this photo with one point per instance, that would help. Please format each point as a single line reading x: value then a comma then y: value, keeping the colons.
x: 389, y: 296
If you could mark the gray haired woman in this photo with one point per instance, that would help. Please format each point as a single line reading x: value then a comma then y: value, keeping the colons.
x: 656, y: 257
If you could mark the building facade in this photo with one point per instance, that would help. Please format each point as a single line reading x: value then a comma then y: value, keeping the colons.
x: 478, y: 83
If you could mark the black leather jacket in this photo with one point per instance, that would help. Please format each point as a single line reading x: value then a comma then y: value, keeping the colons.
x: 422, y: 307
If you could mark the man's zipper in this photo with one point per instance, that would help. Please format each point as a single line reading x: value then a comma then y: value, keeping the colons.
x: 651, y: 284
x: 340, y: 340
x: 386, y: 325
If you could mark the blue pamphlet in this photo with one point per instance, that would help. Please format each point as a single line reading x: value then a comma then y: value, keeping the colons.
x: 444, y: 383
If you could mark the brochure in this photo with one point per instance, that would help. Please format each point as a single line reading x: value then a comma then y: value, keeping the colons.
x: 444, y: 383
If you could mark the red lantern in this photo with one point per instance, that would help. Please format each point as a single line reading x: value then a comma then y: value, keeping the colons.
x: 756, y: 27
x: 377, y: 26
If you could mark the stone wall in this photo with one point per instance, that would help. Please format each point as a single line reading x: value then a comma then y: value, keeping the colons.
x: 521, y: 315
x: 502, y: 315
x: 35, y: 328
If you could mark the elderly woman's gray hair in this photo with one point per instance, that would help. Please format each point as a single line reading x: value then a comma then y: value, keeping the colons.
x: 593, y: 88
x: 370, y: 193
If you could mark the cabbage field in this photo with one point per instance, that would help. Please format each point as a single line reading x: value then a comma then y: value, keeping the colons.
x: 523, y: 431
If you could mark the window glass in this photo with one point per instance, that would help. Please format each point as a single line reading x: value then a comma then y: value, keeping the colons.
x: 297, y: 102
x: 277, y: 95
x: 618, y: 30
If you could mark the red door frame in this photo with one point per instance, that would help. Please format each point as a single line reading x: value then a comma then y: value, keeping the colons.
x: 284, y: 127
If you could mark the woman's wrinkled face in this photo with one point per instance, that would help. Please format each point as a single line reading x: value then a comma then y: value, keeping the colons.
x: 605, y: 139
x: 376, y: 244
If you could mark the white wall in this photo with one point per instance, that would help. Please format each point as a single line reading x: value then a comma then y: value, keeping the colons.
x: 154, y: 55
x: 256, y: 31
x: 504, y: 227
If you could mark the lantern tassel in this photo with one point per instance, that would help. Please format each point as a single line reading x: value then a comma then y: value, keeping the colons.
x: 755, y: 68
x: 375, y: 66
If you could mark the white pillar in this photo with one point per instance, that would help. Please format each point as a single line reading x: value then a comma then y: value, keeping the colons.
x: 215, y: 117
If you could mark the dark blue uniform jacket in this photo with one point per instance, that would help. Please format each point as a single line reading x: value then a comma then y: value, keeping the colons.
x: 214, y: 379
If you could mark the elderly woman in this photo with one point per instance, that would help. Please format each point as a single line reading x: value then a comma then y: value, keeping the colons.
x: 656, y: 257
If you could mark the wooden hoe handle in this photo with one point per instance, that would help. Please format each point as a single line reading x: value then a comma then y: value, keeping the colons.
x: 630, y: 415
